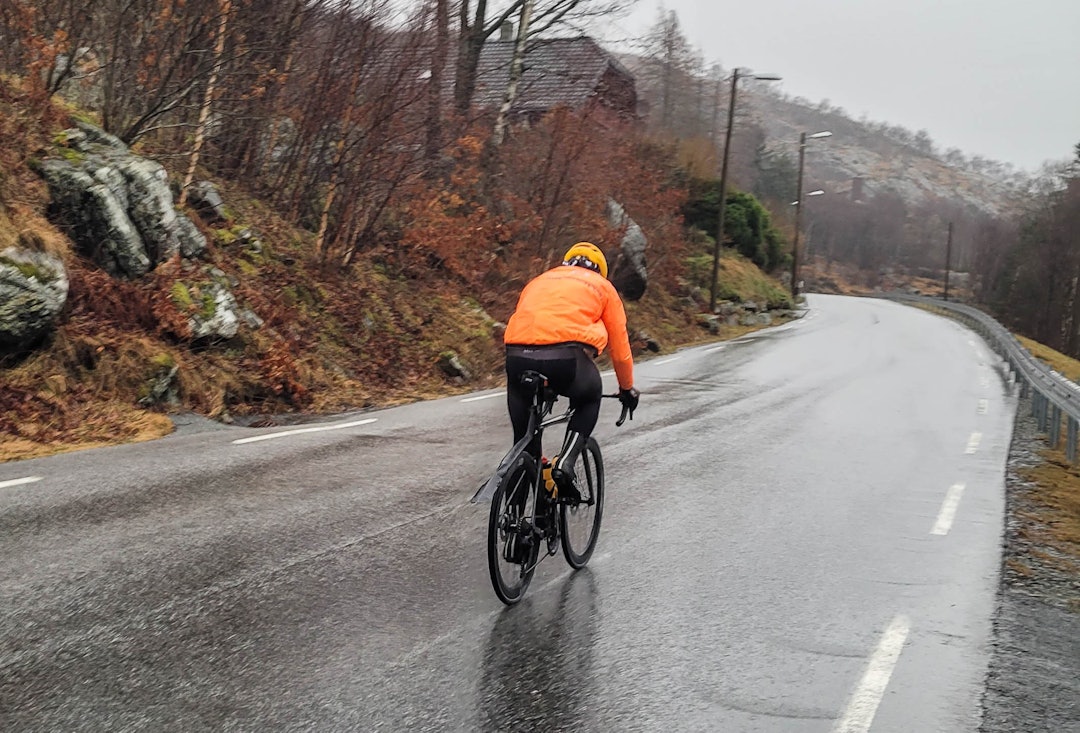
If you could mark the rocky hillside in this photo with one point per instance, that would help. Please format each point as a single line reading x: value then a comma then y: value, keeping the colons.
x: 119, y: 306
x: 886, y: 158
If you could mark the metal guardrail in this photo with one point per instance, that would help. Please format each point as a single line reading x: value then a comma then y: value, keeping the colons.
x: 1053, y: 397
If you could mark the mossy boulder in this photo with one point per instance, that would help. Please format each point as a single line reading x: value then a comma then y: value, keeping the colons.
x: 116, y: 206
x: 33, y: 291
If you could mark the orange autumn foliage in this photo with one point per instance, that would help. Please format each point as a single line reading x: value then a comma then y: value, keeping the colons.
x: 510, y: 218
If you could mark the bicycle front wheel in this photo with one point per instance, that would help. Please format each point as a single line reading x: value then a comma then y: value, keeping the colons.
x: 579, y: 524
x: 512, y: 544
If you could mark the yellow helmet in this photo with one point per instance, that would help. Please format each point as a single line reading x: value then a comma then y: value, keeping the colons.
x: 589, y: 252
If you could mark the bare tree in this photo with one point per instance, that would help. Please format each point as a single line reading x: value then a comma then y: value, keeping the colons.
x: 208, y: 100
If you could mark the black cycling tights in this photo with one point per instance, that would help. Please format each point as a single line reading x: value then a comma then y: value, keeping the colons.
x: 570, y: 371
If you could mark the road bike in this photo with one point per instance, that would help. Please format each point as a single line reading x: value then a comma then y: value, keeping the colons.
x: 528, y: 521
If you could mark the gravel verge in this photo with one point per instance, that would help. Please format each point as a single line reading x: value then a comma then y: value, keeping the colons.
x: 1033, y: 683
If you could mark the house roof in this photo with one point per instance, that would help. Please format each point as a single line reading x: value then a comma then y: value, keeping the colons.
x: 557, y: 71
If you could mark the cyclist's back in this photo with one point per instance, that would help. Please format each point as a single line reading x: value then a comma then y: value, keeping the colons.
x: 564, y: 319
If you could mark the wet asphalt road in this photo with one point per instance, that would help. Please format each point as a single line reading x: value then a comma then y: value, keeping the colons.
x: 784, y: 549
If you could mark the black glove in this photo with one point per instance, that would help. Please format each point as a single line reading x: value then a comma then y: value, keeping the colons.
x: 629, y: 399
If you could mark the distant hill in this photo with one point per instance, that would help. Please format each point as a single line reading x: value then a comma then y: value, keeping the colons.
x: 888, y: 158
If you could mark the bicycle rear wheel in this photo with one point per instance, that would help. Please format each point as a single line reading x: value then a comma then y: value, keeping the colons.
x: 512, y: 545
x: 579, y: 524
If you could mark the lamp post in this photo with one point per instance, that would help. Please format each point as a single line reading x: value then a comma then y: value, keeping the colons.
x: 736, y: 74
x: 803, y: 137
x: 948, y: 260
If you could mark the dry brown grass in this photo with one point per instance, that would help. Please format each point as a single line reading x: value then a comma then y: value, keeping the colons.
x: 1065, y: 365
x: 846, y: 279
x: 94, y: 426
x: 1058, y: 502
x: 1058, y: 495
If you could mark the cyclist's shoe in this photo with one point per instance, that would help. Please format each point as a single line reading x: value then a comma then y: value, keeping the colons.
x: 567, y: 485
x: 563, y: 470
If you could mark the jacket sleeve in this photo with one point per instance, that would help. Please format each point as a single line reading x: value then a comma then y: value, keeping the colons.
x: 614, y: 317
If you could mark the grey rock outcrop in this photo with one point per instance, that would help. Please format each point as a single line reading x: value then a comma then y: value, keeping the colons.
x: 33, y: 291
x: 204, y: 196
x: 451, y: 365
x: 223, y: 320
x: 116, y: 206
x: 213, y: 311
x: 628, y: 274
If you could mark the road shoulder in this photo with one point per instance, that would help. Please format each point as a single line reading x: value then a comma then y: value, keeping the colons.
x: 1033, y: 682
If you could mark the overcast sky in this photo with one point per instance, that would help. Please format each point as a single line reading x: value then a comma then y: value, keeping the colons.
x: 997, y: 78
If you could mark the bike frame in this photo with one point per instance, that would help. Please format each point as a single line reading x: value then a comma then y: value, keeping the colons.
x: 543, y: 402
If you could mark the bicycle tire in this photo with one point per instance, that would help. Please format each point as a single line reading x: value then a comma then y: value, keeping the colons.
x: 514, y: 498
x: 589, y: 471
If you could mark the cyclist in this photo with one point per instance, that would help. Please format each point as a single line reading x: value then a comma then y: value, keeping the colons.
x: 563, y: 320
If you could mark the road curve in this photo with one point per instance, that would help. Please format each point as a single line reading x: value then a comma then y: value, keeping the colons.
x: 802, y: 534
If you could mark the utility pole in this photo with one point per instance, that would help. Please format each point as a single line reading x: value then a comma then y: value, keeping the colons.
x: 948, y: 260
x: 723, y: 192
x: 735, y: 76
x: 799, y: 195
x: 798, y: 217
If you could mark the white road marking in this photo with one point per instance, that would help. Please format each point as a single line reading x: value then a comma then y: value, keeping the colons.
x: 973, y: 443
x: 19, y: 481
x: 948, y: 510
x: 298, y: 431
x: 863, y: 705
x: 484, y: 397
x: 983, y: 406
x: 721, y: 347
x: 666, y: 361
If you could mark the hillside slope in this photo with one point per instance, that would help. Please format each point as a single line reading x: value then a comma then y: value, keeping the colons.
x: 888, y: 158
x: 909, y: 167
x: 331, y: 339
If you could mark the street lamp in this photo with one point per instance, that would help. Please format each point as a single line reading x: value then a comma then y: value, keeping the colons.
x: 803, y: 137
x: 736, y: 74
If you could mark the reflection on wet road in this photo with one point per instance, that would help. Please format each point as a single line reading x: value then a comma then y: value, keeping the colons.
x: 784, y: 549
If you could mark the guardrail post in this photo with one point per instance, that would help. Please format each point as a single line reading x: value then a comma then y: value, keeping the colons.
x: 1071, y: 438
x: 1055, y: 426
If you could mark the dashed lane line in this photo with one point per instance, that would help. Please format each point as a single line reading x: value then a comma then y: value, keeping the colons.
x: 484, y: 397
x: 19, y: 481
x: 973, y: 443
x: 861, y: 709
x: 948, y: 510
x: 664, y: 361
x: 298, y: 431
x: 984, y: 405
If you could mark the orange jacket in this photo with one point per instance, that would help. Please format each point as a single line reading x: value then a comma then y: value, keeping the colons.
x: 569, y: 303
